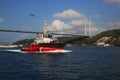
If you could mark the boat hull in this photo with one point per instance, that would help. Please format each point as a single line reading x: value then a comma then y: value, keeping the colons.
x: 44, y: 48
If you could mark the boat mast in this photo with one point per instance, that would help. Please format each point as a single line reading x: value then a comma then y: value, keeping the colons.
x: 89, y: 28
x: 45, y: 26
x: 85, y: 30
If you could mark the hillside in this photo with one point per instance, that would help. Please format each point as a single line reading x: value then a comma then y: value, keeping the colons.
x: 66, y: 40
x: 24, y: 42
x: 110, y: 37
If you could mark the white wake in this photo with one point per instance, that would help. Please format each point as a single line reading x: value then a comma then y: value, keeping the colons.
x: 54, y: 51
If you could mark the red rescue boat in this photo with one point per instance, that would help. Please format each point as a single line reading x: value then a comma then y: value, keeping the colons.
x: 44, y: 43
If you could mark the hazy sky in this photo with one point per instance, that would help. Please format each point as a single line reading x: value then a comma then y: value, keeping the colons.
x: 63, y: 16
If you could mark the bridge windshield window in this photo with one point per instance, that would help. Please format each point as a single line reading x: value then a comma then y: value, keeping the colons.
x: 47, y: 36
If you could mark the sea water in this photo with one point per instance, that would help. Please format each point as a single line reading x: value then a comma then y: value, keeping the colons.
x: 83, y: 63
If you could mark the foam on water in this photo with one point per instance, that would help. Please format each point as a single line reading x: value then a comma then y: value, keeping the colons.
x: 55, y: 51
x: 16, y: 50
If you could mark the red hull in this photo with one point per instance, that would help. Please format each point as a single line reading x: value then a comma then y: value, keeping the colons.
x: 37, y: 48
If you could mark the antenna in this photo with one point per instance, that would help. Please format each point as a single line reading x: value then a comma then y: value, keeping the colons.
x: 85, y: 30
x: 89, y: 28
x: 45, y: 25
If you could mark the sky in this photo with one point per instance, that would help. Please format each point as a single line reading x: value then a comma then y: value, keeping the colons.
x: 63, y: 16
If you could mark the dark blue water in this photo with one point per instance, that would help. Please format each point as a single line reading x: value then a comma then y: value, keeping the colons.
x: 83, y: 63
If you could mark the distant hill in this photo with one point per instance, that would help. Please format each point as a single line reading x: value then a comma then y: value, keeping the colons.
x: 109, y: 37
x: 24, y: 42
